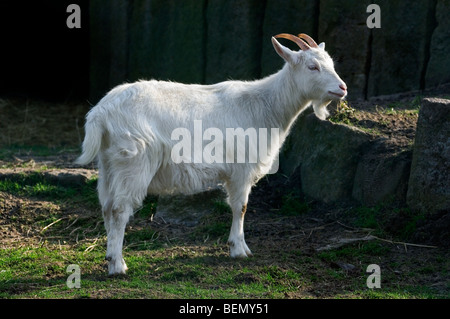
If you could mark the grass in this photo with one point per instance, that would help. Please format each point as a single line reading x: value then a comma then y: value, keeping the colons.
x: 380, y: 220
x: 216, y: 225
x: 7, y: 153
x: 351, y: 252
x: 344, y: 113
x: 380, y: 120
x: 48, y: 226
x: 36, y: 185
x: 413, y: 106
x: 35, y: 188
x: 293, y: 205
x: 41, y: 272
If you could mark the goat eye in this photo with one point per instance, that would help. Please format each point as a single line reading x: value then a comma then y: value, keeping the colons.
x: 313, y: 67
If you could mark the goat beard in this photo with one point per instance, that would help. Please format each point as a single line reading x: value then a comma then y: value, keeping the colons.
x: 320, y: 109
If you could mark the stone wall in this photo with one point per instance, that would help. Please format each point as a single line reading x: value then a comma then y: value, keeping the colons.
x: 207, y: 41
x: 335, y: 162
x: 429, y: 182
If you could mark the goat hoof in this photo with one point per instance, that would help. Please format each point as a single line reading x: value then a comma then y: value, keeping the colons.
x: 117, y: 267
x: 239, y: 249
x: 239, y: 254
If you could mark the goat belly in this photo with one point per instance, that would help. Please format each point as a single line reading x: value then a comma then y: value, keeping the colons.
x: 185, y: 178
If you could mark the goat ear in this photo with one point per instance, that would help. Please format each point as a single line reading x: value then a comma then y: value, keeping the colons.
x: 288, y: 55
x: 322, y: 45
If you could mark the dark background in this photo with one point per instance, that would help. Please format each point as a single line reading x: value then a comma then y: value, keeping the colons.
x: 40, y: 56
x: 208, y: 41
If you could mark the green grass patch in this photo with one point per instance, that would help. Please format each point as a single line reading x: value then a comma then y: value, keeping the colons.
x: 148, y: 207
x: 216, y: 225
x: 367, y: 217
x: 387, y: 220
x: 293, y: 205
x: 344, y: 113
x: 36, y: 185
x: 41, y: 272
x: 360, y: 251
x: 200, y: 272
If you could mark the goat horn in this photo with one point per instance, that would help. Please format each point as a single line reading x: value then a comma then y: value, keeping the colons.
x: 295, y: 39
x: 308, y: 39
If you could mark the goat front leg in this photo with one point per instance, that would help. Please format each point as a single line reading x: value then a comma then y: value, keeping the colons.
x: 238, y: 246
x: 236, y: 240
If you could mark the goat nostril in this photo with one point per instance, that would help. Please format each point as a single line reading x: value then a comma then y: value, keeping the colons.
x: 343, y: 87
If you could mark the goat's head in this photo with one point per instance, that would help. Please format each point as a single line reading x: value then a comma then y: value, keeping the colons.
x: 313, y: 71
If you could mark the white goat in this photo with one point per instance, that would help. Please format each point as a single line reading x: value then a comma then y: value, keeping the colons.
x: 130, y: 130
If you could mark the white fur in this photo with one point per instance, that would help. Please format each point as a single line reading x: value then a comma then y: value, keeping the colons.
x: 129, y: 131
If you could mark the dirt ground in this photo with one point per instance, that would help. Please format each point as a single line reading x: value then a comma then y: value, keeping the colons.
x: 36, y: 134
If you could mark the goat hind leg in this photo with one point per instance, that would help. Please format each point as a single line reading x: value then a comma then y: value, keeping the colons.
x: 129, y: 188
x: 117, y: 221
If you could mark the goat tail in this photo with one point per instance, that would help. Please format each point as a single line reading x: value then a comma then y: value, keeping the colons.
x: 92, y: 140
